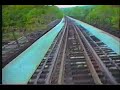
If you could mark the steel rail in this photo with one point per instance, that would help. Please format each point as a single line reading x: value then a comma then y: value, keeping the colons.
x: 88, y: 60
x: 112, y: 61
x: 46, y: 62
x: 55, y: 56
x: 105, y: 70
x: 60, y: 77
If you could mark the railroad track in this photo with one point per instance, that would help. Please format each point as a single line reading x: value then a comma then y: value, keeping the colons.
x: 108, y: 60
x: 77, y: 57
x: 43, y: 73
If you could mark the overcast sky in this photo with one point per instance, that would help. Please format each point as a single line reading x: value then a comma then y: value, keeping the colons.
x: 65, y: 6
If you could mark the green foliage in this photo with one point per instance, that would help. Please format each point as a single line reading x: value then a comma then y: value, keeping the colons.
x: 29, y: 17
x: 104, y: 16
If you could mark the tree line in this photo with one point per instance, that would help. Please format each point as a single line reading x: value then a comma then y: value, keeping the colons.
x: 102, y: 16
x: 27, y: 18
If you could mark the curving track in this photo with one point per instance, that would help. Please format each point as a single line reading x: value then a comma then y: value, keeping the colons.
x: 77, y: 57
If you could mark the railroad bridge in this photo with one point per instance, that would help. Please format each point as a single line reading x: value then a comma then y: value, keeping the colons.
x: 71, y: 53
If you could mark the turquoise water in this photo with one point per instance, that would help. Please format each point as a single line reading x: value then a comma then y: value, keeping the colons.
x: 20, y: 70
x: 113, y: 43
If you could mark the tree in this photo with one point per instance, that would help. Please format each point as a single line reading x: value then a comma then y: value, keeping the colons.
x: 15, y: 38
x: 29, y: 17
